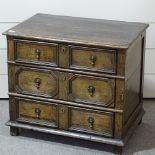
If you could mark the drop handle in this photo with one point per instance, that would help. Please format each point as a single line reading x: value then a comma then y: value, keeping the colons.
x: 91, y: 90
x: 93, y: 60
x: 37, y: 82
x: 91, y: 122
x: 37, y: 112
x: 38, y: 53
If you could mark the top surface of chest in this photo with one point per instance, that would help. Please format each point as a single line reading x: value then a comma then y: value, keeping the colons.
x: 98, y: 32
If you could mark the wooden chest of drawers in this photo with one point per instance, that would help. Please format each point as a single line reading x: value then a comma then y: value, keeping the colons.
x: 76, y: 77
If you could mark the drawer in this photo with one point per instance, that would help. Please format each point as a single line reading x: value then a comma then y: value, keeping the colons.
x: 89, y: 121
x: 38, y: 82
x: 36, y: 52
x: 101, y: 60
x: 92, y: 90
x: 37, y: 112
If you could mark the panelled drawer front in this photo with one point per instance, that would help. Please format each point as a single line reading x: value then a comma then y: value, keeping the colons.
x: 101, y: 60
x: 37, y: 112
x: 90, y: 121
x: 92, y: 90
x: 36, y: 52
x: 33, y: 81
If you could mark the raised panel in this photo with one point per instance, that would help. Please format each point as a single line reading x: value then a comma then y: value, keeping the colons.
x: 36, y: 82
x: 90, y: 121
x: 92, y: 90
x: 93, y: 59
x: 144, y: 13
x: 36, y: 52
x: 37, y: 112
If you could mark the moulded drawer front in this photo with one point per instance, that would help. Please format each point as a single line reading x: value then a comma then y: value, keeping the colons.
x: 92, y: 90
x: 37, y: 112
x: 86, y: 120
x: 36, y: 82
x: 36, y: 52
x: 93, y: 59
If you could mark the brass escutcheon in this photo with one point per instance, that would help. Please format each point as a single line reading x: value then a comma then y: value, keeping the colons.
x: 63, y: 49
x: 62, y: 109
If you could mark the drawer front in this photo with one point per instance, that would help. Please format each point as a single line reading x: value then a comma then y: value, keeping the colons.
x: 37, y: 112
x: 93, y: 59
x: 36, y: 52
x: 89, y: 121
x: 92, y: 90
x: 36, y: 82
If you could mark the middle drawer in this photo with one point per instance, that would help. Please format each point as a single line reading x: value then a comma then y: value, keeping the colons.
x: 62, y: 85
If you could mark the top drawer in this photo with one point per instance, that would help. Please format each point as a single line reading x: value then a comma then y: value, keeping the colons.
x: 36, y: 52
x: 102, y: 60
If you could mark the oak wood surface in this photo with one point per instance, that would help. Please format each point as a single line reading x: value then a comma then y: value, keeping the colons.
x: 36, y: 82
x: 36, y: 52
x: 115, y: 34
x: 82, y: 76
x: 102, y: 92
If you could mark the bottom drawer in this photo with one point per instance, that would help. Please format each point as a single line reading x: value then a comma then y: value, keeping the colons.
x: 37, y: 112
x: 62, y: 116
x: 90, y: 121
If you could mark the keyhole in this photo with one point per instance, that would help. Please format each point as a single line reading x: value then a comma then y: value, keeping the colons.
x: 63, y: 49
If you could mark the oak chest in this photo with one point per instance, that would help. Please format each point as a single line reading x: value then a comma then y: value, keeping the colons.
x: 76, y: 77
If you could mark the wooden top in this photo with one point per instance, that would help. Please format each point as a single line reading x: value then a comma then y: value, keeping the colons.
x: 66, y: 29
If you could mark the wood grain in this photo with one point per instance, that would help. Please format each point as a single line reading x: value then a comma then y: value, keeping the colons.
x: 97, y: 32
x: 79, y: 121
x: 93, y: 59
x: 36, y: 52
x: 36, y: 82
x: 27, y: 112
x: 103, y: 90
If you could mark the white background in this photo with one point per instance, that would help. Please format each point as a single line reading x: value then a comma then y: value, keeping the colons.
x: 14, y: 11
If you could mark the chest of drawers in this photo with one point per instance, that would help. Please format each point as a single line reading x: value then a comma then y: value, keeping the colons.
x: 76, y: 77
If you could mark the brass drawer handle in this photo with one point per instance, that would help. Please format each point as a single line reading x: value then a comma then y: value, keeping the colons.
x: 37, y: 112
x: 38, y: 52
x: 37, y: 82
x: 91, y: 90
x: 93, y: 60
x: 91, y: 122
